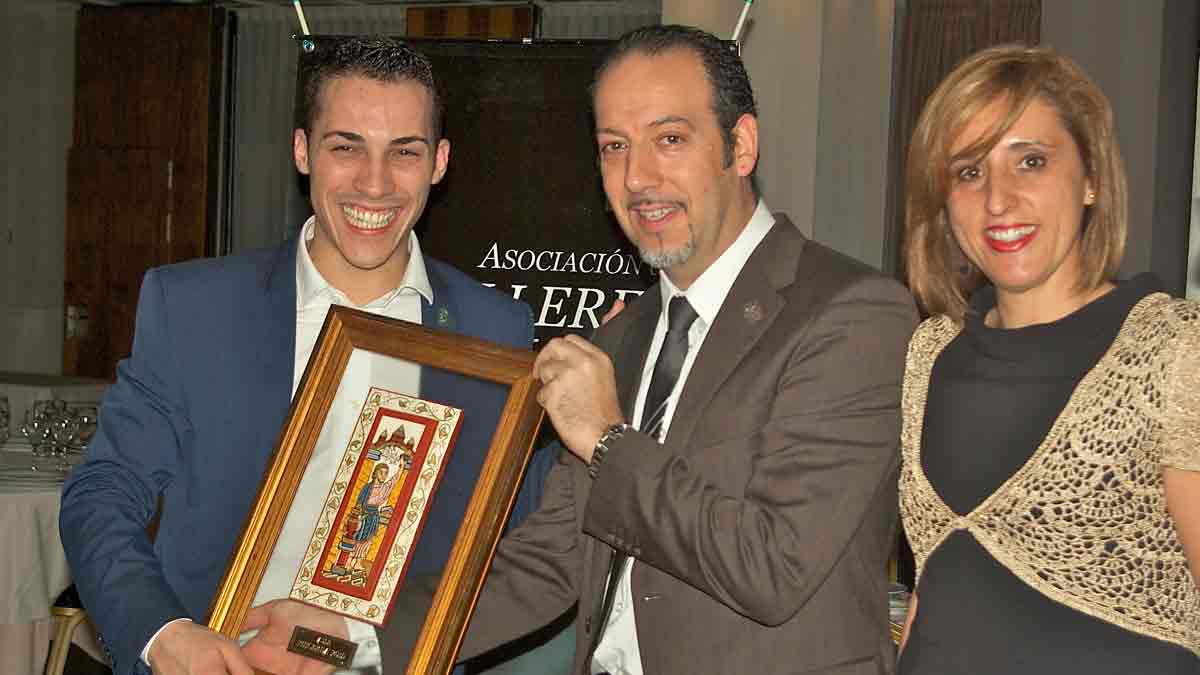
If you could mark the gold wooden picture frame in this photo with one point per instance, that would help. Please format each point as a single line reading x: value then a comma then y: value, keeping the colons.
x: 345, y: 331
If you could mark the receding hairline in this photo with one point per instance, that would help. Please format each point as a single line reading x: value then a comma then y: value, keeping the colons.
x: 651, y: 52
x: 698, y: 61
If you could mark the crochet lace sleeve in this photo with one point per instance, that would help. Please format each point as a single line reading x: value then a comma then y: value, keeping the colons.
x: 1181, y: 419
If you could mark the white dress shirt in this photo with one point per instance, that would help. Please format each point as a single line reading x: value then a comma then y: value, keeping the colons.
x: 314, y: 296
x: 618, y: 651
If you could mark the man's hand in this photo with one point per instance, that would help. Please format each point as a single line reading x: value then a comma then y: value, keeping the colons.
x: 184, y: 647
x: 275, y: 622
x: 579, y: 392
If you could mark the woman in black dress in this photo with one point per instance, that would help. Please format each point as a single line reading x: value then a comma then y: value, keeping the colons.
x: 1050, y: 485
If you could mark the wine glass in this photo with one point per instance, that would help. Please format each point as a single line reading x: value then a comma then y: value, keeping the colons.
x: 89, y: 417
x: 36, y: 429
x: 64, y: 429
x: 39, y: 426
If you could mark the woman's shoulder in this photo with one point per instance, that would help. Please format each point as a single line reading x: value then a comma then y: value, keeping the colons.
x: 1162, y: 334
x: 937, y: 329
x: 931, y: 336
x: 1182, y: 309
x: 1163, y: 310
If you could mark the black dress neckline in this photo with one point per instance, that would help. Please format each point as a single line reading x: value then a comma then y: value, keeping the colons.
x: 1093, y: 325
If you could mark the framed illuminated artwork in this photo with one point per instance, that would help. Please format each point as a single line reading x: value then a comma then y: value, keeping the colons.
x: 376, y: 453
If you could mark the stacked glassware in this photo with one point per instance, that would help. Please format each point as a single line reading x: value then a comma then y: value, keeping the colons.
x: 55, y: 428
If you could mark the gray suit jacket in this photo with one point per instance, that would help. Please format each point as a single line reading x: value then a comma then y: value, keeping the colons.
x: 763, y: 524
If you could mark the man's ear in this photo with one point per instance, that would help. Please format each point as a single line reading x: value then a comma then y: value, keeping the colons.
x: 745, y: 144
x: 300, y: 150
x: 441, y: 160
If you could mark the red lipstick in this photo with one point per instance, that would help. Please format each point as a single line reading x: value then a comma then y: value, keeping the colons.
x: 1009, y: 238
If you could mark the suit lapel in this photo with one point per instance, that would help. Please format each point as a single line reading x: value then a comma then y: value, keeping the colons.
x: 441, y: 315
x: 748, y: 312
x: 277, y: 343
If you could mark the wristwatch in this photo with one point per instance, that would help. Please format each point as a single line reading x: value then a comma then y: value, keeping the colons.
x: 610, y: 434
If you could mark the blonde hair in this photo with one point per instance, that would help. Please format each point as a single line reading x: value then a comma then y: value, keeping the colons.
x: 940, y: 276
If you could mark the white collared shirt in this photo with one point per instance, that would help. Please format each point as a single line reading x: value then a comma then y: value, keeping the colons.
x: 314, y: 297
x: 618, y: 651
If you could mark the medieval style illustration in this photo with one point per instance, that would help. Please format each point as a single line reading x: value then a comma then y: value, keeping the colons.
x: 358, y: 552
x: 365, y: 524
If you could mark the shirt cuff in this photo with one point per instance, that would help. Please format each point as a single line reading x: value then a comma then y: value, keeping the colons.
x: 364, y: 635
x: 150, y: 642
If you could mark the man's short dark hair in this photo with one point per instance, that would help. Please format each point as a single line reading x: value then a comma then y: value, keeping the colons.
x: 376, y: 58
x: 732, y: 95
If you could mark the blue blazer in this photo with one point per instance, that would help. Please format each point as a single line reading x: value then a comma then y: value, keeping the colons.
x: 193, y: 416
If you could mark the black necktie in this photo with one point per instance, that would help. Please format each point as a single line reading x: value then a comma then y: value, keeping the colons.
x: 680, y: 316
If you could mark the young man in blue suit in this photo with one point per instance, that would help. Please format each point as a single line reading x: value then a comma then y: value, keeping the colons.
x: 219, y: 348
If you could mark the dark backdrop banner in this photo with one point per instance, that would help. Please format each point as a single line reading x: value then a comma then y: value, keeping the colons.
x: 522, y: 207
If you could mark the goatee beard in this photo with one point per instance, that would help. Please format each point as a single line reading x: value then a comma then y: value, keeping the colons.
x: 664, y: 259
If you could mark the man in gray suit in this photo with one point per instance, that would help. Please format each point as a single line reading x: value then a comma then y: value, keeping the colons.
x: 732, y: 464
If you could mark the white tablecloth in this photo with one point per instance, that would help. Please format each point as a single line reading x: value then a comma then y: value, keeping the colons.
x: 33, y: 570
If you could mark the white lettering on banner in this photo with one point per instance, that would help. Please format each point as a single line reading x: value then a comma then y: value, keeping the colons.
x: 552, y: 314
x: 548, y: 303
x: 584, y: 308
x: 582, y: 262
x: 611, y: 263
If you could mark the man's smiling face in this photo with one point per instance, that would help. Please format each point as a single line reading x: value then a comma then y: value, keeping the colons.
x: 676, y: 194
x: 372, y: 160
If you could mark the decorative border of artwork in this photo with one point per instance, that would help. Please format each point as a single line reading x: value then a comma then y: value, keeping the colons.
x: 377, y: 504
x: 345, y: 331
